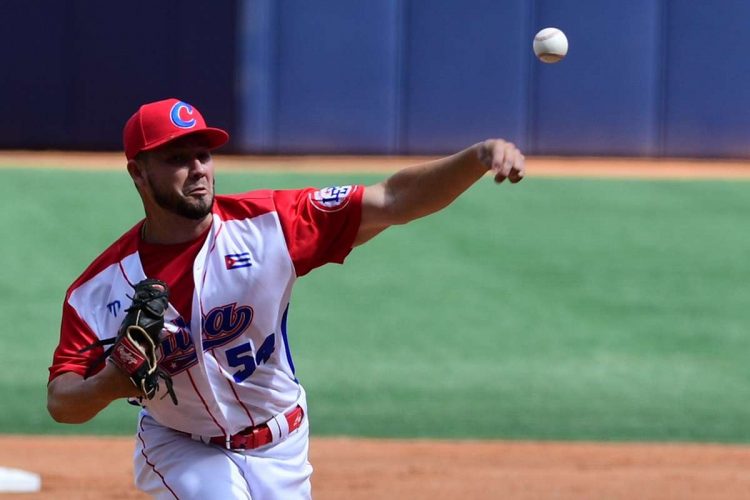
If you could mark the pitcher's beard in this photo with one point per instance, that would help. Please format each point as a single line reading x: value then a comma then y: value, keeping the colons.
x: 188, y: 207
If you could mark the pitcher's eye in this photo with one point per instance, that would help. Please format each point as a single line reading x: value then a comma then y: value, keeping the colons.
x: 177, y: 159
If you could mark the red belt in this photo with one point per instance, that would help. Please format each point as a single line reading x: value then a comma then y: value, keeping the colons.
x: 259, y: 435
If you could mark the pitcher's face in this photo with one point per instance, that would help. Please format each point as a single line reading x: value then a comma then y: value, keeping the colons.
x: 179, y: 177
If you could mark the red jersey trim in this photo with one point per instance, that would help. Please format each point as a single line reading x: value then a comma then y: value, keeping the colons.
x: 75, y: 333
x: 244, y: 205
x: 318, y: 228
x: 65, y: 358
x: 317, y: 234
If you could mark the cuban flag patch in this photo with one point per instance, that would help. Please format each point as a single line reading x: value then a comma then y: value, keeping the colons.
x: 237, y: 260
x: 332, y: 198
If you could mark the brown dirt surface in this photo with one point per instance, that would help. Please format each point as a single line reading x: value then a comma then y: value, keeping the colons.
x: 658, y: 168
x: 84, y: 467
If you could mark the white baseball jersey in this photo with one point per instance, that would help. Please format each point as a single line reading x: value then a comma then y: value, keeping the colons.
x: 229, y: 358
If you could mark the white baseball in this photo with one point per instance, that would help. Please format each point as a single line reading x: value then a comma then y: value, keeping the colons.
x: 550, y: 45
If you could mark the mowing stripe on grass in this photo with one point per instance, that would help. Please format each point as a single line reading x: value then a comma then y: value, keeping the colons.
x: 554, y: 309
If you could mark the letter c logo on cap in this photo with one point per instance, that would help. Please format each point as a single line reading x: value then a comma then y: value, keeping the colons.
x: 177, y: 110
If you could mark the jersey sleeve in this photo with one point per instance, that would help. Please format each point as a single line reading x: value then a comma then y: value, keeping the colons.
x: 319, y: 225
x: 75, y: 334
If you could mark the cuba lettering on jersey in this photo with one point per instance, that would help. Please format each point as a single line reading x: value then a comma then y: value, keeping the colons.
x: 231, y: 363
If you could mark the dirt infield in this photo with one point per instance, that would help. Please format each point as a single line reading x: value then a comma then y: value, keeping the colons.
x: 353, y: 469
x: 536, y: 166
x: 360, y: 469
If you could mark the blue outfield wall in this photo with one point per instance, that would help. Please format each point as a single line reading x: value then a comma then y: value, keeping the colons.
x: 707, y: 80
x: 642, y: 78
x: 76, y: 70
x: 605, y: 97
x: 465, y: 74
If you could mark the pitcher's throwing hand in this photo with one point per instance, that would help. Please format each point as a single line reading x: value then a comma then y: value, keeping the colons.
x: 503, y: 159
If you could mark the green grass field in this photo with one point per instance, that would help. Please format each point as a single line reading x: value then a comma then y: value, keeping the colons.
x: 554, y: 309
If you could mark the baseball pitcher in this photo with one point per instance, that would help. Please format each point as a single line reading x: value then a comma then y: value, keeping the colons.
x: 186, y: 313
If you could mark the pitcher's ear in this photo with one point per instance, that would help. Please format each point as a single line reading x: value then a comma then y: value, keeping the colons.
x: 136, y: 170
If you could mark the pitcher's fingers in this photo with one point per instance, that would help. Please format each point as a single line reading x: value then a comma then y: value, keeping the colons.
x: 516, y: 175
x: 499, y: 177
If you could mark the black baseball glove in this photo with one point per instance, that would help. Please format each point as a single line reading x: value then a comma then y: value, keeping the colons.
x: 134, y: 348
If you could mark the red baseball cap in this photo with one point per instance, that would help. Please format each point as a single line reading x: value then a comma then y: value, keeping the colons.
x: 160, y: 122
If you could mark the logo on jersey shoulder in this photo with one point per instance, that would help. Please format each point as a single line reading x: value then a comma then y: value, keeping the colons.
x: 225, y: 323
x: 181, y: 115
x: 332, y: 198
x: 237, y: 260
